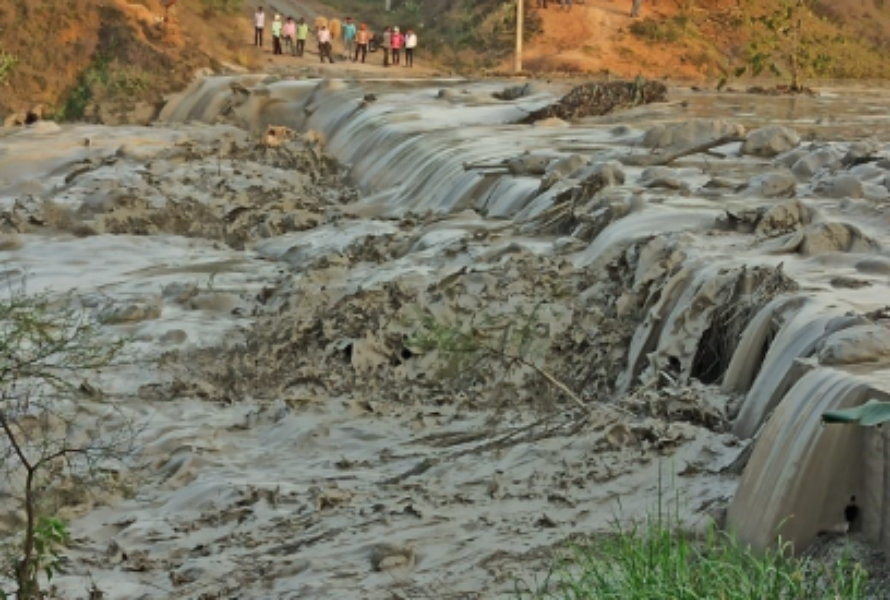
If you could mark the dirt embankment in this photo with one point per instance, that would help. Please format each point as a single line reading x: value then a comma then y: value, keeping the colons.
x: 68, y: 59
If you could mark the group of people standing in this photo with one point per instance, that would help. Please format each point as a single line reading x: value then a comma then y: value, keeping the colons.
x: 393, y: 42
x: 291, y: 33
x: 291, y: 36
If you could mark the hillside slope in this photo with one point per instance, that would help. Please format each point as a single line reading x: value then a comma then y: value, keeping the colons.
x: 701, y: 38
x: 672, y: 38
x: 72, y: 57
x: 114, y: 60
x: 597, y: 37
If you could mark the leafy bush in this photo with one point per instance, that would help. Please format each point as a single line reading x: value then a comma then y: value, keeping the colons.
x: 784, y: 42
x: 7, y: 64
x: 79, y: 97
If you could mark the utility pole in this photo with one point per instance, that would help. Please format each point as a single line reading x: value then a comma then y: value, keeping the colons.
x: 517, y: 61
x: 388, y: 5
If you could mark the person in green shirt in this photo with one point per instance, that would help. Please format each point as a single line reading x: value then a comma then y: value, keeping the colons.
x: 302, y: 32
x: 276, y: 35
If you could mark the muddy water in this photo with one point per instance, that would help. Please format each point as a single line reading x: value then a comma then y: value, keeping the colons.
x: 836, y: 113
x: 302, y: 447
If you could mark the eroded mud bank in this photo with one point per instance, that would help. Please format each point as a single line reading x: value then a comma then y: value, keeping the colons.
x: 303, y: 446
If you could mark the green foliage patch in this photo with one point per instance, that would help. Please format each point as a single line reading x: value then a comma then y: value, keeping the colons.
x: 7, y: 64
x: 659, y: 559
x: 784, y: 44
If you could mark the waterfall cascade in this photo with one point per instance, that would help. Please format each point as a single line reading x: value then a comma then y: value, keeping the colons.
x: 779, y: 304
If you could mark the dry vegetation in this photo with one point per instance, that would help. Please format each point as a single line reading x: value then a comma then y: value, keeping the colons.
x: 714, y: 34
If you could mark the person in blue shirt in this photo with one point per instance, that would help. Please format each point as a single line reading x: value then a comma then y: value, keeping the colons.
x: 349, y: 32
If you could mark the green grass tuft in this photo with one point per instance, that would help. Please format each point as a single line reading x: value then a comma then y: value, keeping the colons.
x: 658, y: 560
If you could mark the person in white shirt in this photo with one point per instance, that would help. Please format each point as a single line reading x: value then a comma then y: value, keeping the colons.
x: 259, y: 21
x: 324, y: 44
x: 410, y: 45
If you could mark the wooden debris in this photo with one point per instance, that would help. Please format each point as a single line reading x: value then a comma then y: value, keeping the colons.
x: 657, y: 160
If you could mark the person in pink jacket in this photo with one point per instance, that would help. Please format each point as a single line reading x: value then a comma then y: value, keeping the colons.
x: 398, y: 41
x: 290, y: 36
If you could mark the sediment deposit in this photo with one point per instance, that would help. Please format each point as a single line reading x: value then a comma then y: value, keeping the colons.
x: 690, y: 293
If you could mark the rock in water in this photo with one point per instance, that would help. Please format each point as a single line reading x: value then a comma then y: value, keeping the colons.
x: 811, y: 163
x: 386, y: 556
x: 594, y: 99
x: 689, y: 134
x: 773, y: 185
x: 842, y: 186
x: 278, y: 135
x: 513, y: 92
x: 529, y: 164
x: 770, y: 141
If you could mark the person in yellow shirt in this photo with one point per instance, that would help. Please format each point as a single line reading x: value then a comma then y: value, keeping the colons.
x: 276, y: 35
x: 302, y: 34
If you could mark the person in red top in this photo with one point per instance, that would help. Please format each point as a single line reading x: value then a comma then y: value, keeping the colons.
x: 398, y: 40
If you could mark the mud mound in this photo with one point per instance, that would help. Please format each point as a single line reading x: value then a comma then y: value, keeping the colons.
x: 259, y: 211
x: 595, y: 99
x: 529, y: 316
x: 234, y: 189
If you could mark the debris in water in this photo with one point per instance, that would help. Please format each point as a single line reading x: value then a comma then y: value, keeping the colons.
x: 595, y: 99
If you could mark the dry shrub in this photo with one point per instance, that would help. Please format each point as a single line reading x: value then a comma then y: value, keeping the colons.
x: 706, y: 60
x: 659, y: 30
x: 246, y: 58
x: 592, y: 51
x: 10, y: 241
x: 626, y: 53
x: 551, y: 64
